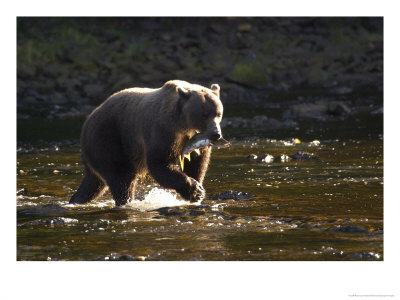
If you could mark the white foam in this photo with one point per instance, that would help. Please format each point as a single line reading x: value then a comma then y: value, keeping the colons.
x: 98, y: 203
x: 158, y: 198
x: 155, y: 198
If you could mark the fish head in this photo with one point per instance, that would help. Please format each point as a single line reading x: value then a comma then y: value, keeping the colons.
x: 221, y: 143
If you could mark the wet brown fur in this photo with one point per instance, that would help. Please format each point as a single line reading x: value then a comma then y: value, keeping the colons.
x: 140, y: 130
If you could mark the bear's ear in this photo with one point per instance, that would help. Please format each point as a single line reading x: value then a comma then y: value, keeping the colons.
x: 215, y: 88
x: 183, y: 93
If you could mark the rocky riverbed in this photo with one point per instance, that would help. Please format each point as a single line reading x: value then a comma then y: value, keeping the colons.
x: 67, y: 66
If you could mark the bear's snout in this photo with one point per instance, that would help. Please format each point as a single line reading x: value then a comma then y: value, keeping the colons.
x: 215, y: 136
x: 214, y: 131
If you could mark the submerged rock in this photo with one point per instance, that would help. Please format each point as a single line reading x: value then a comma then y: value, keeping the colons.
x: 252, y: 156
x: 347, y: 229
x: 234, y: 195
x: 364, y: 256
x: 171, y: 211
x: 304, y: 156
x: 126, y: 257
x: 196, y: 213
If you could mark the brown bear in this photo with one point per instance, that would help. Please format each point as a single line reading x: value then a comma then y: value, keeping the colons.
x: 141, y: 130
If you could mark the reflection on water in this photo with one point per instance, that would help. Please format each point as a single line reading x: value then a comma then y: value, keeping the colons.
x: 330, y: 209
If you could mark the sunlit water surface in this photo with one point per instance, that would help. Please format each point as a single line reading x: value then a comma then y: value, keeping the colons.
x: 330, y: 209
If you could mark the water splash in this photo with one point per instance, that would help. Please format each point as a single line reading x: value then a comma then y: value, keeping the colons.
x: 154, y: 199
x: 158, y: 198
x: 102, y: 203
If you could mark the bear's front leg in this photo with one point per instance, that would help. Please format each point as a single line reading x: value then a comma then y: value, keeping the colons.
x: 170, y: 177
x: 198, y: 164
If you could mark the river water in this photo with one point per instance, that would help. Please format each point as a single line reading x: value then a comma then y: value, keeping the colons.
x: 327, y: 209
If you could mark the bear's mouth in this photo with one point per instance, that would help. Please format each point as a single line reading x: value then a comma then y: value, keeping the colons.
x: 212, y: 136
x: 221, y: 142
x: 201, y: 140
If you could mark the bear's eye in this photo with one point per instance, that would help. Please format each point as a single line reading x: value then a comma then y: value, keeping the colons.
x: 205, y: 115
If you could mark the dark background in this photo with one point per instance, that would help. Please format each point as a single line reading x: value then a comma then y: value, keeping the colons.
x: 67, y: 66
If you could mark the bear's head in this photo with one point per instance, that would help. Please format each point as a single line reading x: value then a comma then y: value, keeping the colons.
x: 202, y: 109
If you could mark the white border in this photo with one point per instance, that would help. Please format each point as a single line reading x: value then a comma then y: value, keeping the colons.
x: 197, y: 280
